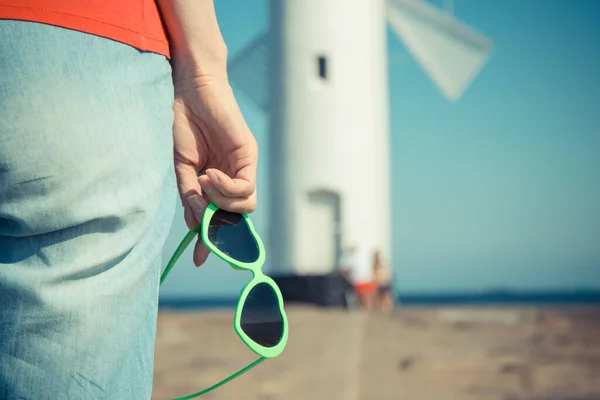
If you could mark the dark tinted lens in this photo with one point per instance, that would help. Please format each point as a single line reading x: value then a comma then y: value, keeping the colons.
x: 261, y: 318
x: 230, y: 233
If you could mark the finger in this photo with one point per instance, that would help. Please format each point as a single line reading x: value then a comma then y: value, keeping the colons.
x: 190, y: 193
x: 243, y: 185
x: 189, y: 217
x: 201, y: 253
x: 242, y: 205
x: 197, y: 205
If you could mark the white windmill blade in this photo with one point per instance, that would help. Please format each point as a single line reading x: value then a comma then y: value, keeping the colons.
x: 249, y: 71
x: 449, y: 51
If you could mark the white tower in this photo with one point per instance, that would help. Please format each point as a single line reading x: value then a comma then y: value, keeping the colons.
x: 321, y: 74
x: 329, y: 142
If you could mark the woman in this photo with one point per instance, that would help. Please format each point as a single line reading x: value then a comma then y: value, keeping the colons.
x: 103, y: 103
x: 383, y: 280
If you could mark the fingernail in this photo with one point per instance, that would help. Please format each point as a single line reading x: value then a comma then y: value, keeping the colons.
x: 212, y: 175
x: 198, y: 205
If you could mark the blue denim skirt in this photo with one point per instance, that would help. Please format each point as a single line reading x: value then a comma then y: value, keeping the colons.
x: 87, y: 197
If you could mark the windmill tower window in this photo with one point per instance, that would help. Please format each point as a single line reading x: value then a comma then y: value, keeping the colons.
x: 322, y: 67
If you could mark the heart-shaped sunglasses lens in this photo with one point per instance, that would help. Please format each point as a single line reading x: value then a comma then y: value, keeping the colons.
x: 230, y: 233
x: 261, y: 318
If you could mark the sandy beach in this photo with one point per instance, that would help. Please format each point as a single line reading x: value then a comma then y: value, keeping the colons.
x: 414, y: 353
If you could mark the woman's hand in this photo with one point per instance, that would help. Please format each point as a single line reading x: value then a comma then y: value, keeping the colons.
x: 215, y: 152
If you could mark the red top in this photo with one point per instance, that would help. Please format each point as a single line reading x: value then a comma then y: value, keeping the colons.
x: 133, y: 22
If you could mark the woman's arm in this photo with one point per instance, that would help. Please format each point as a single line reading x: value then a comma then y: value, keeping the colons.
x: 215, y: 153
x: 196, y: 42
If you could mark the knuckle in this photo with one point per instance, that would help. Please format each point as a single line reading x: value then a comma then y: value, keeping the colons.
x: 253, y: 203
x: 249, y: 205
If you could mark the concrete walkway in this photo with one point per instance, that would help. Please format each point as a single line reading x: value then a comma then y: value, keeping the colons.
x: 322, y: 359
x: 337, y: 372
x: 428, y: 354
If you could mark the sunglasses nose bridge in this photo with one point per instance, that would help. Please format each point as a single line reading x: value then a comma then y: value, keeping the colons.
x: 257, y: 276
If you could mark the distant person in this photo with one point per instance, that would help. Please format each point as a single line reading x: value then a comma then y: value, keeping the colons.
x: 355, y: 265
x: 383, y: 280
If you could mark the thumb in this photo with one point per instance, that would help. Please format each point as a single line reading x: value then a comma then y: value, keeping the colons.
x: 190, y: 193
x: 242, y: 185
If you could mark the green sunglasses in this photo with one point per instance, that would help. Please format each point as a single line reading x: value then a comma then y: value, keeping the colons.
x: 260, y: 319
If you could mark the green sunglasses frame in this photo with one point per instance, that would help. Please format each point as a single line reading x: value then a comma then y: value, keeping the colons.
x: 257, y: 277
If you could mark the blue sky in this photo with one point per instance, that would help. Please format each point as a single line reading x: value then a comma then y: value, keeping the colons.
x: 498, y: 191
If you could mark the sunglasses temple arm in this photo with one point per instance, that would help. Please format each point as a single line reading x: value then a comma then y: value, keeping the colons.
x: 180, y: 249
x: 224, y: 381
